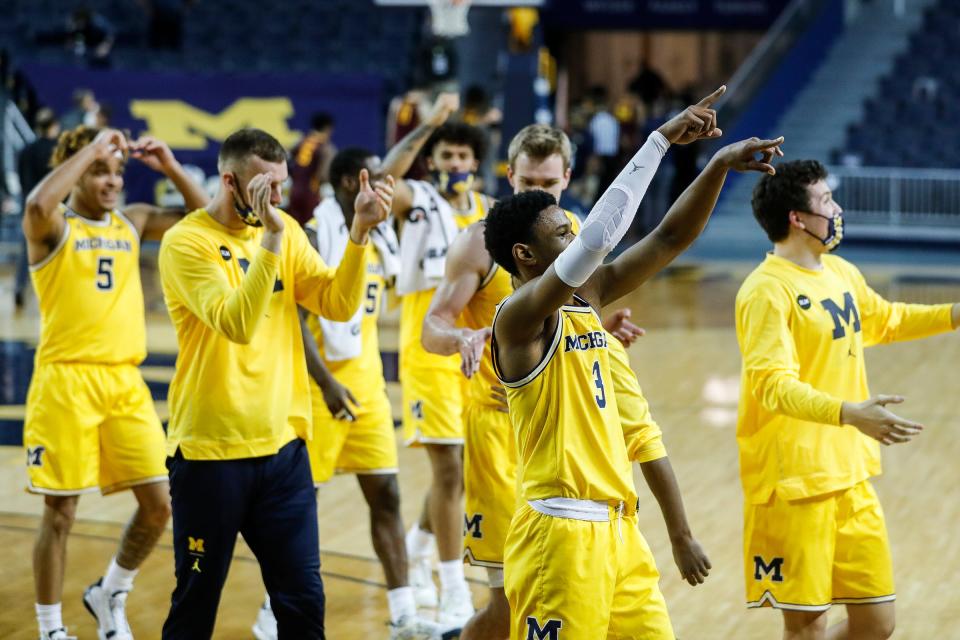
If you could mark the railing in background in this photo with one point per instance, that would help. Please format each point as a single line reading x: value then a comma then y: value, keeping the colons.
x: 899, y: 203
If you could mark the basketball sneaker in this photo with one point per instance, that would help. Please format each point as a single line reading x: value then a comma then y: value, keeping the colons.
x: 415, y: 628
x: 110, y: 610
x: 265, y: 628
x: 57, y: 634
x: 456, y: 607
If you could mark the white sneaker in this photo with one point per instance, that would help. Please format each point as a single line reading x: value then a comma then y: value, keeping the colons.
x: 110, y: 611
x: 415, y: 628
x: 265, y: 628
x: 456, y: 607
x: 420, y: 577
x: 57, y: 634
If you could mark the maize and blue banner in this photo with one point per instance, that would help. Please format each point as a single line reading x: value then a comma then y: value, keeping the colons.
x: 195, y: 112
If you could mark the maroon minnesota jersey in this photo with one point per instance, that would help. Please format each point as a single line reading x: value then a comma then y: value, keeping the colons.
x: 306, y: 159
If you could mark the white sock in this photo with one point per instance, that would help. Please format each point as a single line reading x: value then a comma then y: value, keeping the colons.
x: 49, y: 617
x: 401, y: 603
x: 117, y: 578
x: 451, y: 576
x: 419, y: 542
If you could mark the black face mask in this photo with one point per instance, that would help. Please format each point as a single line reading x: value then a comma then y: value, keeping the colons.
x: 244, y: 210
x: 834, y: 230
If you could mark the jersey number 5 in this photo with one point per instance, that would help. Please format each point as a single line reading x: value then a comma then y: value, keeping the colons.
x: 105, y: 274
x: 372, y: 290
x: 598, y: 380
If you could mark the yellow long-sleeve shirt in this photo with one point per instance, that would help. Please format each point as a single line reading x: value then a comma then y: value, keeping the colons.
x: 802, y: 334
x: 241, y: 389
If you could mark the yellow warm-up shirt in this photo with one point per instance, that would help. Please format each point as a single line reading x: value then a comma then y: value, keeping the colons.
x: 241, y: 388
x: 415, y: 305
x: 570, y: 443
x: 641, y: 433
x: 89, y: 293
x: 802, y: 335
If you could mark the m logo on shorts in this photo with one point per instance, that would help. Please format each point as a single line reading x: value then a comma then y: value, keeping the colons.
x: 416, y: 409
x: 550, y: 631
x: 195, y: 544
x: 35, y: 456
x: 472, y: 525
x: 763, y: 569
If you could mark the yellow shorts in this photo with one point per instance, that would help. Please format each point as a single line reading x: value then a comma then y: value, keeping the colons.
x: 807, y: 554
x: 489, y: 482
x: 432, y: 406
x: 575, y: 579
x: 365, y: 446
x: 91, y: 426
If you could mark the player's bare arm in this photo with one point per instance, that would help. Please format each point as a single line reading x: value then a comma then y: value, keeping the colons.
x: 42, y: 220
x: 530, y: 314
x: 467, y: 264
x: 692, y: 561
x: 152, y: 222
x: 401, y: 157
x: 684, y: 221
x: 337, y: 397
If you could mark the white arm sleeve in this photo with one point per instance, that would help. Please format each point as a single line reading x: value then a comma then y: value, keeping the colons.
x: 612, y: 215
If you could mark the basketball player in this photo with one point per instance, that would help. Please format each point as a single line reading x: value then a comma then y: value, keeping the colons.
x: 808, y: 428
x: 352, y: 419
x: 90, y: 421
x: 430, y: 216
x: 538, y: 158
x: 574, y: 558
x: 233, y: 275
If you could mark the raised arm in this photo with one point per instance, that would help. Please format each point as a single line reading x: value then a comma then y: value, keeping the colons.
x: 467, y: 264
x: 42, y: 219
x: 402, y: 156
x: 683, y: 222
x: 151, y: 221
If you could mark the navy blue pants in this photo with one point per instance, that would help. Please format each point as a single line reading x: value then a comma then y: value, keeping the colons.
x: 271, y: 502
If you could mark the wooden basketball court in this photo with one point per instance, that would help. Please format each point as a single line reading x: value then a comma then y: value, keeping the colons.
x: 688, y: 365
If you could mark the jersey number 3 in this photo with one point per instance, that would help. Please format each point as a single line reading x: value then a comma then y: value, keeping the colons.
x: 105, y: 274
x: 601, y: 397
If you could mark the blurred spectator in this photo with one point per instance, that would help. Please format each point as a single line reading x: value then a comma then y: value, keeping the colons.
x: 926, y: 89
x: 583, y: 178
x: 478, y: 111
x: 405, y: 114
x: 605, y: 131
x: 648, y: 85
x: 165, y: 30
x: 33, y: 164
x: 657, y: 199
x: 84, y: 110
x: 309, y: 166
x: 90, y: 36
x: 104, y: 116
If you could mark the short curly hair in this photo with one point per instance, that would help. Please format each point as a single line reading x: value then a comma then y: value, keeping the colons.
x: 774, y: 197
x: 70, y: 142
x: 458, y: 133
x: 510, y: 221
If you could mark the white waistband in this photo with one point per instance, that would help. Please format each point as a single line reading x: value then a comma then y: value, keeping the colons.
x: 590, y: 510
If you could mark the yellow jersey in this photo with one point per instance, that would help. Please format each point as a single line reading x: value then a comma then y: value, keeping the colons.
x: 241, y: 389
x: 414, y: 305
x: 478, y: 314
x: 641, y: 433
x: 362, y: 375
x: 89, y: 292
x: 564, y: 413
x: 802, y: 334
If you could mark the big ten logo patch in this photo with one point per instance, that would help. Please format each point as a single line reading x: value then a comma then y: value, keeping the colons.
x: 772, y: 569
x: 549, y: 631
x: 471, y: 525
x: 183, y: 126
x: 848, y: 315
x: 35, y: 456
